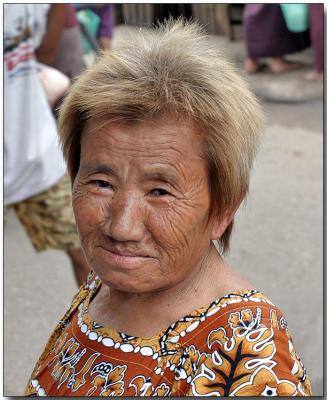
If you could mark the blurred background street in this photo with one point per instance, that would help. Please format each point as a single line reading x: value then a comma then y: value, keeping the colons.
x: 277, y: 242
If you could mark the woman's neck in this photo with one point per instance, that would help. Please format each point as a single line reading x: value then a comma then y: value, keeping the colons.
x: 146, y: 314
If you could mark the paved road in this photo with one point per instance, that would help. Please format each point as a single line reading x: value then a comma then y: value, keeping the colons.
x: 277, y: 244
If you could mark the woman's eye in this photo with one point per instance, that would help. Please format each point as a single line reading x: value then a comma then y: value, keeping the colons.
x: 101, y: 184
x: 159, y: 192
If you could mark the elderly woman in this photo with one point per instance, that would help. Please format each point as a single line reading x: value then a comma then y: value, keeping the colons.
x: 159, y: 137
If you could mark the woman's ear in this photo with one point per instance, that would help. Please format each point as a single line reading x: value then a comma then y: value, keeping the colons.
x: 220, y: 224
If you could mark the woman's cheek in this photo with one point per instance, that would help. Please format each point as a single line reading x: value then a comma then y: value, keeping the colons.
x: 89, y: 212
x: 171, y: 229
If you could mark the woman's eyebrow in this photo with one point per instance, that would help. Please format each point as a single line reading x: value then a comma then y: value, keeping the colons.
x: 98, y: 168
x: 165, y: 177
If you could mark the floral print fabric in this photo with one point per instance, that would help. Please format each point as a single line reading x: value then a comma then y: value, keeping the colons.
x: 239, y: 345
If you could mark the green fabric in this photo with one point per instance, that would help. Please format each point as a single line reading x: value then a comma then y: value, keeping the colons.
x: 91, y: 22
x: 296, y: 16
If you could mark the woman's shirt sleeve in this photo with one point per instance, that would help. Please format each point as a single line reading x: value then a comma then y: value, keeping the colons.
x: 253, y: 355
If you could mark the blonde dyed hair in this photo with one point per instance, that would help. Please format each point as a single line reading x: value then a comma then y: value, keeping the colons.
x: 174, y: 70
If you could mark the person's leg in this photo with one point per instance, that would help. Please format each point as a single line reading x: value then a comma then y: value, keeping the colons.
x: 251, y: 65
x: 50, y: 224
x: 250, y: 27
x: 316, y: 12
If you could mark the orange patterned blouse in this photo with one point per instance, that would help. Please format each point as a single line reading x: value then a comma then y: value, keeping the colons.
x: 238, y: 345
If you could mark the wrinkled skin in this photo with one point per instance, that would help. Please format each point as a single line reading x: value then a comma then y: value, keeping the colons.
x: 141, y: 203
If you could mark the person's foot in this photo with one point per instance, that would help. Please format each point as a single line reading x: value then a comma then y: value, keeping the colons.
x: 279, y: 65
x: 314, y: 76
x: 252, y: 66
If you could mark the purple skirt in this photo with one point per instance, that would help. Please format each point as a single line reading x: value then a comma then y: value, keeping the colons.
x: 266, y: 34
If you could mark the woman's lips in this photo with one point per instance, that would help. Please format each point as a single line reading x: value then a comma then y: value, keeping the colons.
x: 123, y: 258
x: 125, y: 253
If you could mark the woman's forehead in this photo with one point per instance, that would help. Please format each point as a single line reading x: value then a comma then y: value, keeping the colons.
x: 145, y: 138
x: 166, y: 151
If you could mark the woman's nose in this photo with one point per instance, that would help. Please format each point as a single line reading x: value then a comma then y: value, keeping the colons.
x: 126, y: 219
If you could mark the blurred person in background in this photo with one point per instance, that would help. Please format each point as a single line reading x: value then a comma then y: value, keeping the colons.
x: 68, y: 56
x: 266, y: 36
x: 316, y: 15
x: 35, y: 182
x: 61, y: 46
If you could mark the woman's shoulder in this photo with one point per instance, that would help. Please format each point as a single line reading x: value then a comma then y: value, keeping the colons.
x: 244, y: 347
x: 84, y: 292
x: 242, y: 307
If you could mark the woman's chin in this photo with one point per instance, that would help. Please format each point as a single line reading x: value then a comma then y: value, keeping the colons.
x: 132, y: 281
x: 129, y: 285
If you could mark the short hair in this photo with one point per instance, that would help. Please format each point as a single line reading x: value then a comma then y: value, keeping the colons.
x: 174, y: 69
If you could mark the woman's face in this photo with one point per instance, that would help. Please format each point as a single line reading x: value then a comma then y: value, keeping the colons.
x: 141, y: 203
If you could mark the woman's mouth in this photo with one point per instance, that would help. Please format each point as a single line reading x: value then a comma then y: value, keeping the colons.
x: 123, y: 258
